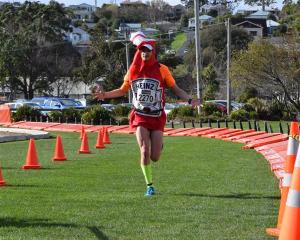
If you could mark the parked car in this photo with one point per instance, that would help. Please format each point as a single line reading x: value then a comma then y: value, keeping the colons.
x: 55, y: 103
x: 222, y: 105
x: 169, y: 107
x: 109, y: 107
x: 15, y: 105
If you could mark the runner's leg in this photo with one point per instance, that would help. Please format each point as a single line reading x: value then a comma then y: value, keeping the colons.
x: 156, y: 144
x: 143, y: 139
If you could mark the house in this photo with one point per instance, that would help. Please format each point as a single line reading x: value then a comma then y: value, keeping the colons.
x: 127, y: 28
x: 253, y: 29
x: 247, y: 9
x: 133, y: 5
x: 77, y: 36
x: 174, y: 13
x: 203, y: 20
x: 83, y: 12
x: 220, y: 9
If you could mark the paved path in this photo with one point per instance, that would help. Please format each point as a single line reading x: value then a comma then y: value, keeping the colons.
x: 17, y: 134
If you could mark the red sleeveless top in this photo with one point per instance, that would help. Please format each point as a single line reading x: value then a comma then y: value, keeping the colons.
x: 148, y: 88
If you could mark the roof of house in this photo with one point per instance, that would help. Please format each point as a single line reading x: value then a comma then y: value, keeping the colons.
x: 259, y: 14
x: 131, y: 25
x: 205, y: 17
x: 76, y: 30
x: 248, y: 23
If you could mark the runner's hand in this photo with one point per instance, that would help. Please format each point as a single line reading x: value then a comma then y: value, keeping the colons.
x: 195, y: 102
x: 98, y: 93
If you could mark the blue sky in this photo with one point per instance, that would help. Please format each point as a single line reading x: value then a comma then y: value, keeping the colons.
x: 100, y: 2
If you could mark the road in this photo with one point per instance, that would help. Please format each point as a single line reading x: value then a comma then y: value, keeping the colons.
x: 190, y: 37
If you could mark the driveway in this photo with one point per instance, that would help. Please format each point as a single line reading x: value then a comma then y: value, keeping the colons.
x: 190, y: 35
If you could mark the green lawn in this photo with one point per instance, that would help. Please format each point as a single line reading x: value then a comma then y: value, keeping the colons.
x: 274, y: 125
x: 207, y: 189
x: 178, y: 41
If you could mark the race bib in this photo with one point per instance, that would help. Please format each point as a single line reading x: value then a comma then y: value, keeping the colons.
x: 147, y: 96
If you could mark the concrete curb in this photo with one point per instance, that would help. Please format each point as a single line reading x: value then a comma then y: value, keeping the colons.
x: 23, y: 134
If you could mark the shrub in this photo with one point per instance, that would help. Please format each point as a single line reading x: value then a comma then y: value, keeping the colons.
x: 97, y: 114
x: 248, y: 107
x: 209, y: 109
x: 186, y: 113
x: 71, y: 114
x: 173, y: 114
x: 122, y: 120
x: 121, y: 111
x: 240, y: 114
x: 55, y: 115
x: 26, y: 112
x: 253, y: 115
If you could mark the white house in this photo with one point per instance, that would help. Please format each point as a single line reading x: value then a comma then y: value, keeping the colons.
x: 203, y: 19
x: 127, y: 28
x: 83, y: 11
x: 78, y: 36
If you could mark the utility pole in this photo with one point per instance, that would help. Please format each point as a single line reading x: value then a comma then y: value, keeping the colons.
x: 127, y: 61
x: 228, y: 66
x: 198, y: 52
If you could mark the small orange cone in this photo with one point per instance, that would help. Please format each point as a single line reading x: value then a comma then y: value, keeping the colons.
x: 106, y: 139
x: 32, y: 159
x: 82, y: 132
x: 99, y: 143
x: 2, y: 182
x: 293, y: 145
x: 84, y: 148
x: 290, y: 227
x: 59, y: 154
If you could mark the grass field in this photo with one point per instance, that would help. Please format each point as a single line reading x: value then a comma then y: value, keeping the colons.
x: 207, y: 189
x: 178, y: 41
x: 274, y: 125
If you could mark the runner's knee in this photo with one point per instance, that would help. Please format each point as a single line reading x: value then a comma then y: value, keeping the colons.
x: 155, y: 157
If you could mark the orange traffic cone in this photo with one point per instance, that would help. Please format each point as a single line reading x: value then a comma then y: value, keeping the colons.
x: 82, y: 132
x: 84, y: 148
x: 290, y: 228
x: 2, y: 182
x: 286, y: 183
x: 99, y: 143
x: 32, y: 159
x: 106, y: 139
x: 59, y: 154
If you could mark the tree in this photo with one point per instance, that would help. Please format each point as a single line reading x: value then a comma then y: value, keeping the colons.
x: 103, y: 60
x: 262, y: 3
x: 210, y: 84
x: 29, y: 36
x: 274, y: 70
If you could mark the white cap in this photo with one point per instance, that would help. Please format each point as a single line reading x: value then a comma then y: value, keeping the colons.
x: 147, y: 46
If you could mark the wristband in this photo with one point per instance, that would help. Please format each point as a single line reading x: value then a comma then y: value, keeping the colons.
x: 190, y: 101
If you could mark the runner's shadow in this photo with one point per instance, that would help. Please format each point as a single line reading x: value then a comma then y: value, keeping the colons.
x: 23, y: 223
x: 233, y: 196
x: 98, y: 233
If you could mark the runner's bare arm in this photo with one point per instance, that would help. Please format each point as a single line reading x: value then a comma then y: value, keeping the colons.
x: 100, y: 94
x: 184, y: 96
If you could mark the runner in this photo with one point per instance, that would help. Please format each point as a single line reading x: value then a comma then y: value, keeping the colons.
x: 148, y: 80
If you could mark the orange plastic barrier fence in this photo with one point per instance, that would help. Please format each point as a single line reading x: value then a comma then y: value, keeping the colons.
x: 5, y: 114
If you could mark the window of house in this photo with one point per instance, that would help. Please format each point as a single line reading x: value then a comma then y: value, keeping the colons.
x: 253, y: 33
